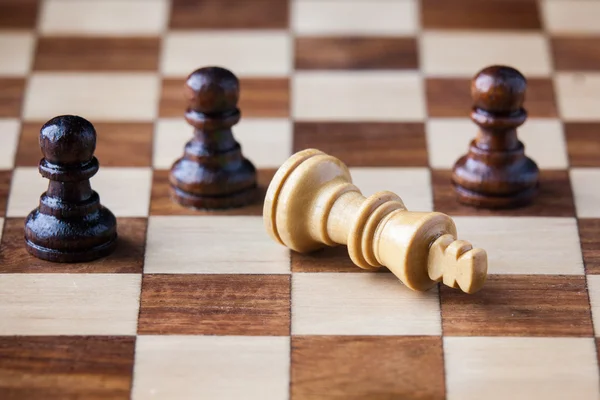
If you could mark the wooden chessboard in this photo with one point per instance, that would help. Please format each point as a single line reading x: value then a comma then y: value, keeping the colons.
x: 203, y: 305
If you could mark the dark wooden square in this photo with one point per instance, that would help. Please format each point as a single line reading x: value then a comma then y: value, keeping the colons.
x: 555, y: 197
x: 161, y: 203
x: 97, y: 54
x: 5, y: 178
x: 117, y: 144
x: 229, y: 14
x: 519, y: 305
x: 576, y: 53
x: 66, y: 367
x: 366, y: 144
x: 18, y: 14
x: 259, y: 97
x: 367, y: 367
x: 253, y: 305
x: 583, y: 143
x: 451, y: 97
x: 12, y: 91
x: 480, y: 15
x: 589, y: 235
x: 356, y: 53
x: 128, y: 257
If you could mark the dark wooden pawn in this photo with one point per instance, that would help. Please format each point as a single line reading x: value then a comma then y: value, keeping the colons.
x: 213, y: 173
x: 496, y: 173
x: 70, y: 224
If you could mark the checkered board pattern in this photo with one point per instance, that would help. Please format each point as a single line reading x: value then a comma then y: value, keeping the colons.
x: 203, y: 305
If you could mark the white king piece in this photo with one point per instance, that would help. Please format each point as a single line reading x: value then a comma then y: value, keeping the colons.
x: 311, y: 203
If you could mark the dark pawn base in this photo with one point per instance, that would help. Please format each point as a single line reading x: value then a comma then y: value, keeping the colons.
x: 233, y: 200
x: 515, y: 200
x: 69, y: 257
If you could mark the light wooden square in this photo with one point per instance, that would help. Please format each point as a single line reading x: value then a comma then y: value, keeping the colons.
x: 593, y: 284
x: 245, y: 53
x: 267, y: 142
x: 347, y: 17
x: 525, y: 245
x: 9, y: 139
x: 463, y: 54
x: 17, y: 53
x: 103, y: 18
x: 358, y: 96
x: 94, y: 96
x: 449, y: 138
x: 577, y: 95
x: 520, y: 368
x: 361, y: 304
x: 586, y: 191
x: 221, y: 367
x: 69, y: 304
x: 229, y: 245
x: 571, y: 16
x: 125, y: 191
x: 413, y: 185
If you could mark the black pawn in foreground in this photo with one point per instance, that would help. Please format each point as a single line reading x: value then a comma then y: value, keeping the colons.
x: 70, y: 224
x: 496, y: 173
x: 213, y: 173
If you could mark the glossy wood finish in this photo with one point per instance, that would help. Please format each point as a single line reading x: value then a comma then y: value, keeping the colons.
x: 333, y: 367
x: 496, y: 173
x: 359, y: 53
x: 118, y: 144
x: 229, y: 14
x: 213, y: 173
x: 127, y: 258
x: 70, y: 224
x: 451, y: 97
x: 259, y: 97
x: 365, y: 144
x: 576, y: 53
x: 554, y: 199
x: 311, y: 203
x: 582, y: 144
x: 203, y: 304
x: 520, y: 305
x: 589, y: 234
x: 90, y: 54
x: 480, y: 15
x: 11, y: 96
x: 66, y: 367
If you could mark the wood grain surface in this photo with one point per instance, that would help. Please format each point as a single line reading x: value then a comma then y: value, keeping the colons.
x: 358, y: 53
x: 365, y: 144
x: 18, y: 14
x: 474, y: 14
x: 255, y: 305
x: 576, y: 53
x: 582, y: 143
x: 555, y: 198
x: 5, y: 178
x: 520, y: 305
x: 12, y: 91
x: 589, y: 234
x: 90, y: 54
x: 66, y: 367
x: 128, y: 256
x: 332, y: 367
x: 229, y: 14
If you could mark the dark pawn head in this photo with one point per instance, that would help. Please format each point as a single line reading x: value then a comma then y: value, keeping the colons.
x: 212, y: 90
x: 68, y: 139
x: 498, y: 89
